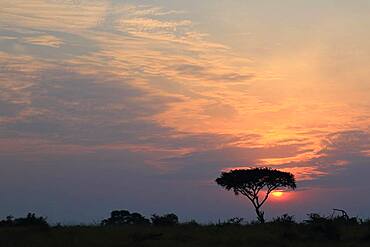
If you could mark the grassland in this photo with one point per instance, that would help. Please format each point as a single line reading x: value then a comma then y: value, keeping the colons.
x: 279, y: 235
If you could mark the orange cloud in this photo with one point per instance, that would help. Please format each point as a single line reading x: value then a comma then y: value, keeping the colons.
x: 180, y: 82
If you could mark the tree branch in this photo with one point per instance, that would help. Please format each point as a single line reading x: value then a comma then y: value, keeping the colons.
x: 250, y: 197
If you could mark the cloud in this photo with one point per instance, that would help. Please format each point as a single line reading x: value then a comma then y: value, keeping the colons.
x: 209, y: 163
x: 346, y: 154
x: 53, y: 15
x: 45, y: 40
x: 152, y: 25
x: 343, y: 154
x: 9, y: 109
x: 349, y: 142
x: 104, y: 87
x: 78, y: 108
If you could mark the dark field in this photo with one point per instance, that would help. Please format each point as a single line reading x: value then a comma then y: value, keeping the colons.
x: 188, y: 235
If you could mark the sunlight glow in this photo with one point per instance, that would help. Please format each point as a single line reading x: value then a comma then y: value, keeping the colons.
x: 277, y: 194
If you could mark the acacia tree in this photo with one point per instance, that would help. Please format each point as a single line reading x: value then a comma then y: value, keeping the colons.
x: 256, y: 184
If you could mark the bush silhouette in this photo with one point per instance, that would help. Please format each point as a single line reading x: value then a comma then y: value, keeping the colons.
x: 333, y: 230
x: 235, y: 221
x: 314, y: 218
x: 330, y: 227
x: 344, y: 219
x: 165, y: 220
x: 30, y: 220
x: 285, y: 219
x: 124, y: 217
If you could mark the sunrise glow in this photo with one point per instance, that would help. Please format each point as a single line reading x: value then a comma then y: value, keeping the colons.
x: 277, y: 194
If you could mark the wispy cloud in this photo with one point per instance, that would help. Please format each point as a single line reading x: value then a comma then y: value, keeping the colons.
x: 46, y: 40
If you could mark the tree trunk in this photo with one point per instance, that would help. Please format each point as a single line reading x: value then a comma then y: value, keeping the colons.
x: 260, y: 215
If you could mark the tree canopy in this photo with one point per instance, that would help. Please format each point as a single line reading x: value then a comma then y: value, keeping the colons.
x: 251, y: 182
x: 124, y: 217
x: 165, y: 220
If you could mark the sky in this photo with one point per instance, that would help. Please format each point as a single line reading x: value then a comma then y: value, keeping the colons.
x: 140, y: 105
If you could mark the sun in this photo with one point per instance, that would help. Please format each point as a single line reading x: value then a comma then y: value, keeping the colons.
x: 277, y: 194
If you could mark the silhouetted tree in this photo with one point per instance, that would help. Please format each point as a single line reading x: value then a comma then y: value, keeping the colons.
x: 30, y: 220
x: 165, y: 220
x: 251, y: 182
x: 124, y: 217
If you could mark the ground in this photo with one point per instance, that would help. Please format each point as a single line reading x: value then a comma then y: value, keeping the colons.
x: 188, y: 235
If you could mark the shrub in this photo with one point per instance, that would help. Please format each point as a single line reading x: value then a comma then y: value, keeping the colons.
x: 314, y: 218
x: 165, y: 220
x: 124, y: 217
x: 233, y: 221
x: 284, y: 219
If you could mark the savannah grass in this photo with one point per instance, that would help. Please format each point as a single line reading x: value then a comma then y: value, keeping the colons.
x: 269, y: 234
